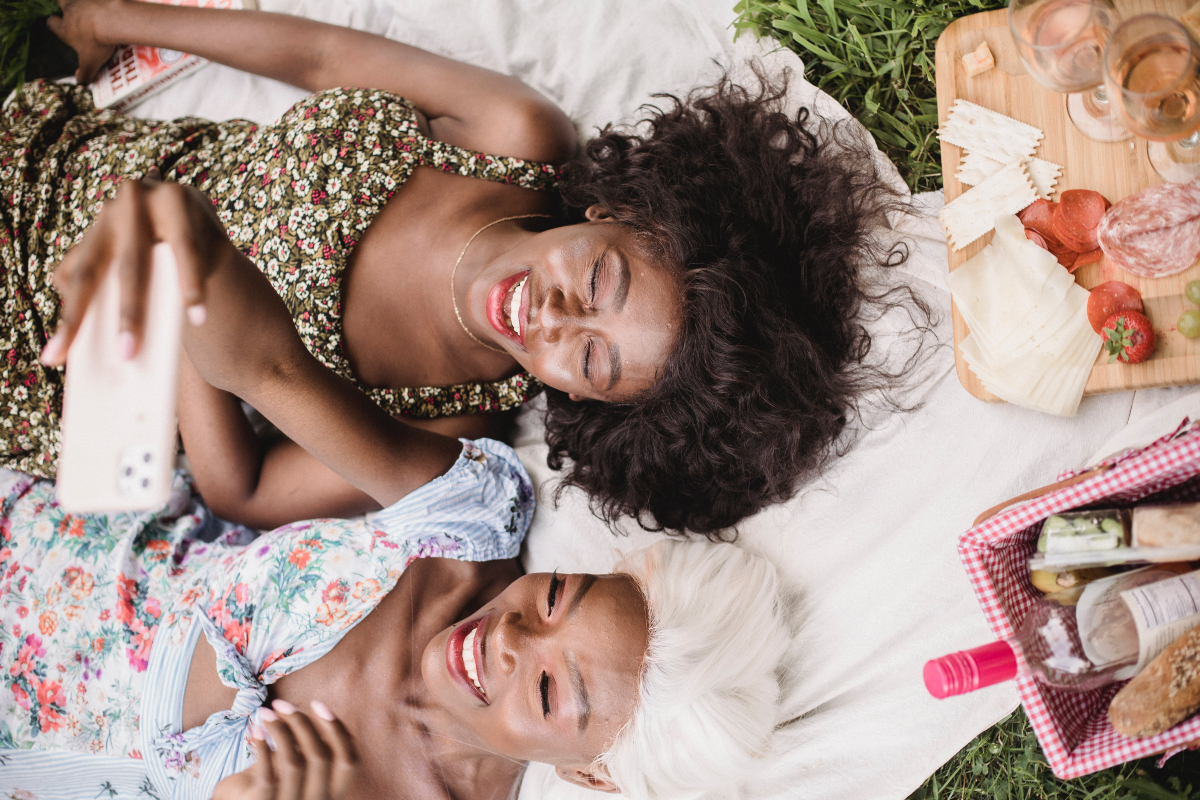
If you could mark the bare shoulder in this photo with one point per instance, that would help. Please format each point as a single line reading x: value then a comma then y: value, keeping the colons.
x: 529, y: 128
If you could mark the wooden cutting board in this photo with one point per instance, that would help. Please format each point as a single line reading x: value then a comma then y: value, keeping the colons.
x: 1114, y: 169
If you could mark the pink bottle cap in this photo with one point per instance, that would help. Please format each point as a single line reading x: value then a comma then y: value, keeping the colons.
x: 968, y: 670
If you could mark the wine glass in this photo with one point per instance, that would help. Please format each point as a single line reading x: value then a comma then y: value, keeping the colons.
x: 1061, y: 43
x: 1152, y: 67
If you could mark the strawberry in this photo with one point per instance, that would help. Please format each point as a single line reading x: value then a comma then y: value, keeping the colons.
x: 1128, y: 336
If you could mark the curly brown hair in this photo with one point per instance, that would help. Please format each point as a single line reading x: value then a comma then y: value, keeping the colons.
x: 769, y: 218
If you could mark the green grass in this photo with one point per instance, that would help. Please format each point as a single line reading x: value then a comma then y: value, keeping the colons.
x: 16, y: 21
x: 1005, y: 763
x: 877, y: 58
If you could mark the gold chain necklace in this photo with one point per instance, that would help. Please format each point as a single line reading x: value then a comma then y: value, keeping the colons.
x: 454, y: 272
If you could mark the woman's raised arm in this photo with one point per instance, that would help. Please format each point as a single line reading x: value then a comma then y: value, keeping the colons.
x: 466, y: 105
x: 245, y: 342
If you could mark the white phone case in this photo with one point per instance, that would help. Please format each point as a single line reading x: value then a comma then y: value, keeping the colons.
x: 118, y: 427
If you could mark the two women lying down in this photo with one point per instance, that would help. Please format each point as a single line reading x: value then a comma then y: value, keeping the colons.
x: 688, y: 293
x: 404, y: 655
x: 377, y: 285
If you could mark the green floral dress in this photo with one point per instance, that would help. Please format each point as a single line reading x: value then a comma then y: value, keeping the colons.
x: 295, y: 197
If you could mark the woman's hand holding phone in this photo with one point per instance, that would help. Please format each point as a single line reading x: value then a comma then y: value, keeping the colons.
x: 241, y: 339
x: 314, y: 758
x: 142, y: 213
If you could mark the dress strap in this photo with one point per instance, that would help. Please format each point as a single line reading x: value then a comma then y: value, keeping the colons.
x: 430, y: 402
x: 500, y: 169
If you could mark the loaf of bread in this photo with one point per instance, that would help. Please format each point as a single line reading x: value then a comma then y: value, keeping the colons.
x: 1164, y: 526
x: 1165, y: 693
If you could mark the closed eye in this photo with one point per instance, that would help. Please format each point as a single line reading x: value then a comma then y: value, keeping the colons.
x: 544, y: 687
x: 595, y: 280
x: 587, y: 360
x: 554, y: 582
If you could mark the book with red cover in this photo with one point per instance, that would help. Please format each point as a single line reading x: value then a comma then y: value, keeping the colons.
x: 136, y: 71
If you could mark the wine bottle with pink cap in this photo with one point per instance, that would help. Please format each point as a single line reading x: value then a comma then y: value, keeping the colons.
x: 1118, y: 626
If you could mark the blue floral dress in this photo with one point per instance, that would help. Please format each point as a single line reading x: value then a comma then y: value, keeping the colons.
x: 99, y: 616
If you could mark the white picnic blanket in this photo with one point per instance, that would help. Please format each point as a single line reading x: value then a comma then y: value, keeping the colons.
x: 871, y: 546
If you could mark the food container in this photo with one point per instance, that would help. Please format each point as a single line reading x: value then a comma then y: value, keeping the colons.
x: 1073, y: 727
x: 1107, y: 537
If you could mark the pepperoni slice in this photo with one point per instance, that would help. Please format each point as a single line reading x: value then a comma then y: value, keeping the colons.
x: 1078, y: 215
x: 1090, y: 257
x: 1065, y: 255
x: 1037, y: 216
x: 1111, y: 297
x: 1154, y: 232
x: 1036, y: 238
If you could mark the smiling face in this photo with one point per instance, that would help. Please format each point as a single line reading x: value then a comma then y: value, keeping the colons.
x: 548, y: 671
x: 584, y: 308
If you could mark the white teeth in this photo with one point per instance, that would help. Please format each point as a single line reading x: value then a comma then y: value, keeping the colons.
x: 514, y: 311
x: 468, y: 657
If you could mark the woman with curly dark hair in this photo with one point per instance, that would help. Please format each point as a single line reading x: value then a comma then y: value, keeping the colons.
x: 691, y: 296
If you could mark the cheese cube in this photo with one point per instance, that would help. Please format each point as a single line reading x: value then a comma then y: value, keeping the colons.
x: 978, y: 61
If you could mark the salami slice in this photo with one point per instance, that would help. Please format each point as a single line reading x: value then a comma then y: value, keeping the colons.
x: 1078, y: 215
x: 1154, y: 232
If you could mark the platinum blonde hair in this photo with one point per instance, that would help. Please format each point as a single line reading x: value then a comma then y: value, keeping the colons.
x: 709, y: 695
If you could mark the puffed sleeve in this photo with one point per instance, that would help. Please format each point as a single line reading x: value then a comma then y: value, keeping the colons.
x: 478, y: 511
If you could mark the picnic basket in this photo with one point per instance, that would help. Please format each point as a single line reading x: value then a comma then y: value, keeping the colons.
x: 1073, y: 727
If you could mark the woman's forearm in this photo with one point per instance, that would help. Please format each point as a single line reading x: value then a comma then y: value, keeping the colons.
x: 274, y: 45
x: 224, y: 453
x: 315, y: 56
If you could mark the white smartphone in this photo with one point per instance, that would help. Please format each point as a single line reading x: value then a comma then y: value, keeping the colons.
x: 118, y: 422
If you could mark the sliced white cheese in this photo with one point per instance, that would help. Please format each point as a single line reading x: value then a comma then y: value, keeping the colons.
x: 1030, y: 342
x: 1048, y: 326
x: 997, y: 289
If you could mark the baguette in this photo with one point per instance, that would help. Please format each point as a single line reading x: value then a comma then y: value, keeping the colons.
x: 1166, y: 692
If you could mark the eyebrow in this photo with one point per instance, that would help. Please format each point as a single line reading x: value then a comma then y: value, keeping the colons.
x: 585, y: 584
x: 622, y: 284
x: 614, y: 364
x: 581, y: 695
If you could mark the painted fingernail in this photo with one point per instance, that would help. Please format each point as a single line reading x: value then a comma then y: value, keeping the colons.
x: 258, y: 732
x: 52, y: 352
x: 197, y: 314
x: 283, y: 707
x: 322, y: 710
x: 267, y: 715
x: 127, y: 345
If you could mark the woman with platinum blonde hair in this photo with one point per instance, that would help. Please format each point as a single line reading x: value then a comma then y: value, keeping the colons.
x: 400, y: 655
x: 709, y: 696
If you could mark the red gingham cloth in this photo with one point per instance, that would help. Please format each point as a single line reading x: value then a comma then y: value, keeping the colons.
x: 1073, y: 727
